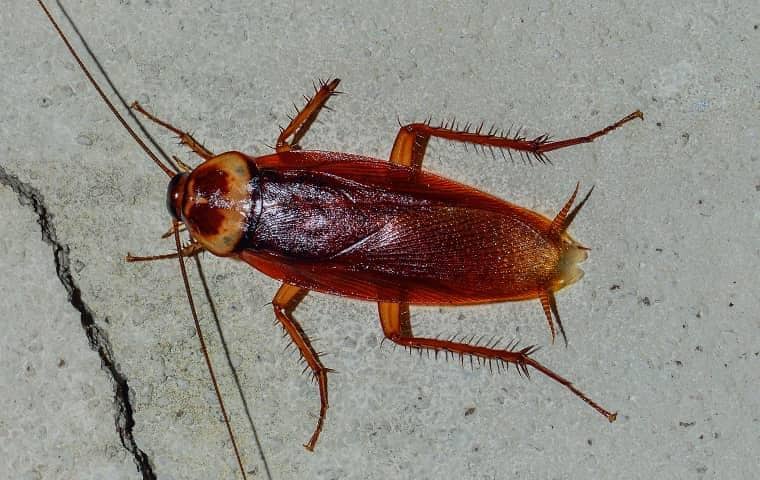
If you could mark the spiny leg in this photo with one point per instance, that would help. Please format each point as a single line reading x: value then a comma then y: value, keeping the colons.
x: 300, y: 124
x: 391, y: 320
x: 184, y: 137
x: 412, y: 139
x: 285, y: 302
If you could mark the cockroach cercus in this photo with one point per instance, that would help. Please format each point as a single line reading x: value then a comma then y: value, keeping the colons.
x: 382, y: 231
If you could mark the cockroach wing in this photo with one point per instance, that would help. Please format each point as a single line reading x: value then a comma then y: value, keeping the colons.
x: 380, y: 232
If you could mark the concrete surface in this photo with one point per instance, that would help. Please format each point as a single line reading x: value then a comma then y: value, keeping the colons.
x: 664, y: 327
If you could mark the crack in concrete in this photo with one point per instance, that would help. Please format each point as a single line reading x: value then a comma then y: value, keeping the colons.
x: 29, y: 196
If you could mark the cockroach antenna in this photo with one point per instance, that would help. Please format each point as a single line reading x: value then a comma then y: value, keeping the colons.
x: 103, y: 96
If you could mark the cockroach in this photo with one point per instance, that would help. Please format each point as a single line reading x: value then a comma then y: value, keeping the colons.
x: 382, y: 231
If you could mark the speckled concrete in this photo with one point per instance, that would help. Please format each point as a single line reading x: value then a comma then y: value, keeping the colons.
x: 664, y: 327
x: 58, y: 411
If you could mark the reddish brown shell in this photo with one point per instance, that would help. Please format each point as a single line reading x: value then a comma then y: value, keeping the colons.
x: 364, y: 228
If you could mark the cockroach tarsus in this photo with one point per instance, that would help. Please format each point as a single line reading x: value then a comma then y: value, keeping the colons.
x: 363, y: 228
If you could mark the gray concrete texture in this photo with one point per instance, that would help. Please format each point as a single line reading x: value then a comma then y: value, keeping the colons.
x: 663, y: 328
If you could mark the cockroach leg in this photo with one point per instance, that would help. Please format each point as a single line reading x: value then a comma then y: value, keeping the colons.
x: 395, y: 318
x: 300, y: 124
x: 184, y: 137
x: 412, y: 139
x: 285, y: 302
x: 181, y: 228
x: 391, y: 319
x: 549, y: 146
x: 187, y: 251
x: 410, y: 146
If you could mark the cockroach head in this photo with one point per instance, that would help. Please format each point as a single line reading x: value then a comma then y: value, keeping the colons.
x: 175, y: 195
